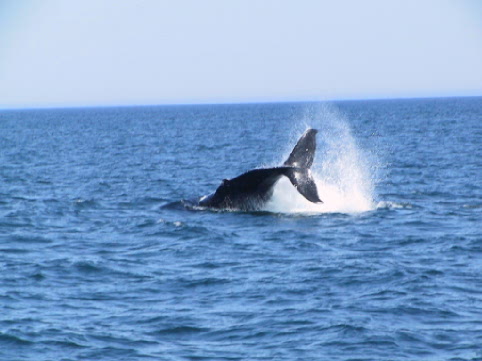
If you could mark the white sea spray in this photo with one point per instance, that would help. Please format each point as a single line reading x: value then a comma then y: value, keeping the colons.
x: 342, y: 170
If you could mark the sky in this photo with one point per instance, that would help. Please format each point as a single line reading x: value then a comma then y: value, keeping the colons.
x: 110, y: 52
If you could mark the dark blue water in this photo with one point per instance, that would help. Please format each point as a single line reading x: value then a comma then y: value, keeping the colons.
x: 100, y: 259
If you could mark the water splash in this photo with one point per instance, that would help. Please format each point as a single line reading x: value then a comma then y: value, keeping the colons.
x: 341, y: 170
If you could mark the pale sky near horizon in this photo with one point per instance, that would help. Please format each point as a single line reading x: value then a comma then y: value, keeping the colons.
x: 110, y: 52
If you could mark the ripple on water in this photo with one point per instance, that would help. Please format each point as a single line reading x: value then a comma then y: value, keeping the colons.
x: 9, y: 340
x: 28, y: 239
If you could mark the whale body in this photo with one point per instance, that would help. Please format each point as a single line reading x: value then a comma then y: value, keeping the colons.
x: 251, y: 190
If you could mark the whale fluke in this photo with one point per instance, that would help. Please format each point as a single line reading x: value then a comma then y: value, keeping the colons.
x: 303, y: 153
x: 304, y: 183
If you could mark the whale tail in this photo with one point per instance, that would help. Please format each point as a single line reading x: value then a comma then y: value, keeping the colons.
x: 304, y: 183
x: 303, y: 153
x: 250, y: 189
x: 299, y: 163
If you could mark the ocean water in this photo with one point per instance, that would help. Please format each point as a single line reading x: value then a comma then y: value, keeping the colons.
x: 101, y: 258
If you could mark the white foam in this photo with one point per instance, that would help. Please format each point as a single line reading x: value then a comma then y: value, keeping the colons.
x: 341, y: 171
x: 393, y: 205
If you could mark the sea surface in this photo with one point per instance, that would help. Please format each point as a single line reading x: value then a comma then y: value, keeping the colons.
x: 103, y: 256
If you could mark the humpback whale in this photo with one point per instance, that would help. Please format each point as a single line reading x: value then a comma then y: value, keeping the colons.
x: 251, y: 190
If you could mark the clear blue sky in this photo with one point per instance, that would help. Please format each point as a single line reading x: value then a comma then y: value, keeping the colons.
x: 107, y: 52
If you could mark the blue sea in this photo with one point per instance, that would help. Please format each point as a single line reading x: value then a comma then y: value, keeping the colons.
x: 102, y: 258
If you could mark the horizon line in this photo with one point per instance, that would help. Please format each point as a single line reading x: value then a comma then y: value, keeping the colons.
x: 209, y: 103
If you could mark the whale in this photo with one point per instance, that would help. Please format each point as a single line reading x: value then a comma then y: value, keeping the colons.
x: 253, y: 189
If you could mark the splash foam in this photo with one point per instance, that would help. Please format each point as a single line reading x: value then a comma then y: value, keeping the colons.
x: 341, y: 170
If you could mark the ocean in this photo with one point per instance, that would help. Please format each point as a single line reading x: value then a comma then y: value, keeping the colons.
x: 103, y: 256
